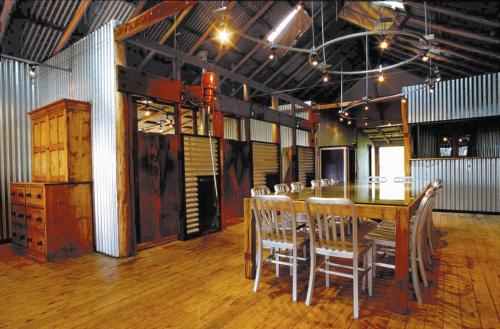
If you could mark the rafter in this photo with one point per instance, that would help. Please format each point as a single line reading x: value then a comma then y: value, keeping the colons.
x: 138, y: 8
x: 454, y: 14
x: 82, y: 8
x: 149, y: 18
x: 454, y: 31
x: 178, y: 20
x: 5, y: 16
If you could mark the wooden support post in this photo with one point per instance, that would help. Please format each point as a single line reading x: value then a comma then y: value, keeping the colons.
x: 246, y: 98
x: 276, y: 127
x: 406, y: 136
x: 125, y: 125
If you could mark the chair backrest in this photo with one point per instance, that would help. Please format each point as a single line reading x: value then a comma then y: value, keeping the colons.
x: 377, y: 179
x: 334, y: 181
x: 260, y: 190
x: 423, y: 214
x: 297, y: 186
x: 329, y: 219
x: 281, y: 188
x: 316, y: 183
x: 438, y: 183
x: 325, y: 182
x: 275, y: 218
x: 405, y: 179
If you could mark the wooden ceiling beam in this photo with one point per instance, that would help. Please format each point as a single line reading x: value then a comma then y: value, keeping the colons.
x: 82, y: 8
x: 8, y: 5
x: 454, y: 14
x: 178, y: 20
x: 149, y: 18
x: 454, y: 31
x: 138, y: 8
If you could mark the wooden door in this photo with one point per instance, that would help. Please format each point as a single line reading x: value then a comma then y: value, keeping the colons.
x: 40, y: 143
x: 57, y: 146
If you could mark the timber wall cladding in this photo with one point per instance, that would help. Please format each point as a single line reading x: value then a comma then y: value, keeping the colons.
x: 265, y: 160
x: 18, y: 96
x: 201, y: 157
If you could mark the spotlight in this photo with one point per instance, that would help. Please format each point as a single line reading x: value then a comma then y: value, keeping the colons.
x: 325, y: 78
x: 32, y: 70
x: 272, y: 52
x: 381, y: 77
x: 384, y: 44
x: 223, y: 36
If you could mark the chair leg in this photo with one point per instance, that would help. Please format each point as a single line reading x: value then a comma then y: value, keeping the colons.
x: 294, y: 275
x: 259, y: 268
x: 363, y: 280
x: 277, y: 258
x: 312, y: 275
x: 355, y: 287
x: 327, y: 276
x: 369, y: 274
x: 374, y: 259
x: 414, y: 276
x: 429, y: 240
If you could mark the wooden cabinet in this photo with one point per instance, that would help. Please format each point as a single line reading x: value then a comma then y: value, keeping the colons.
x: 61, y: 146
x: 51, y: 220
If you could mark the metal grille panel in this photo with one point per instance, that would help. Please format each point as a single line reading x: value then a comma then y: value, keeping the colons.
x: 306, y: 162
x: 197, y: 162
x: 265, y: 161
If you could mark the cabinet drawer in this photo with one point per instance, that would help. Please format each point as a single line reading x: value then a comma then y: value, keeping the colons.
x: 35, y: 196
x: 36, y: 241
x: 35, y: 218
x: 17, y: 194
x: 17, y: 215
x: 18, y: 236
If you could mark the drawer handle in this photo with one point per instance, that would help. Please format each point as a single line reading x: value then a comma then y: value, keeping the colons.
x: 39, y: 243
x: 38, y: 219
x: 29, y: 239
x: 38, y: 196
x: 28, y: 216
x: 28, y: 195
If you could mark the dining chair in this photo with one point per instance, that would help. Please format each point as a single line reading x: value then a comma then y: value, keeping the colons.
x: 377, y: 179
x: 281, y: 188
x: 260, y: 190
x: 334, y: 181
x: 271, y: 216
x: 386, y: 239
x: 325, y: 216
x: 325, y: 182
x: 405, y: 179
x: 297, y: 186
x: 316, y: 183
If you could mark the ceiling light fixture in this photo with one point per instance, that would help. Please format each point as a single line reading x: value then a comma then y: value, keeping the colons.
x: 425, y: 58
x: 381, y: 77
x: 223, y: 35
x: 32, y: 70
x: 272, y: 53
x: 384, y: 45
x: 325, y: 78
x: 366, y: 108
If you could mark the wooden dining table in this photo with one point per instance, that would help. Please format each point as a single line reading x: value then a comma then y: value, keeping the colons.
x: 393, y: 201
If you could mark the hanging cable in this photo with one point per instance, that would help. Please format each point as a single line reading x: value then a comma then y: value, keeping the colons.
x: 366, y: 66
x: 312, y: 8
x: 217, y: 213
x: 323, y: 33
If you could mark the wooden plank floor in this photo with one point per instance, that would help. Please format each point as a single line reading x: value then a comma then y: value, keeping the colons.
x: 200, y: 284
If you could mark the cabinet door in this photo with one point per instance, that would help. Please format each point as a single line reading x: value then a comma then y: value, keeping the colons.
x: 40, y: 142
x: 57, y: 146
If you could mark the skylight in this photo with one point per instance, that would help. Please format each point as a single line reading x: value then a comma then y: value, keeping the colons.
x: 283, y: 24
x: 391, y: 4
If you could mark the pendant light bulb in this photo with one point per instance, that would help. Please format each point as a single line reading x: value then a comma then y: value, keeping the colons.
x: 272, y: 52
x: 341, y: 119
x: 384, y: 44
x: 381, y: 77
x: 223, y: 35
x: 425, y: 58
x: 147, y: 113
x: 403, y: 100
x: 326, y: 78
x: 431, y: 89
x: 366, y: 108
x: 438, y: 77
x: 349, y: 122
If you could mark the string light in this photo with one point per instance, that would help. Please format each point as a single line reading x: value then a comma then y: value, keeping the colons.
x: 147, y: 113
x: 313, y: 60
x: 381, y: 77
x: 384, y: 45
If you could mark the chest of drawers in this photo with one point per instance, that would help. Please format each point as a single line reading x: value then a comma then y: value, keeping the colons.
x: 51, y: 220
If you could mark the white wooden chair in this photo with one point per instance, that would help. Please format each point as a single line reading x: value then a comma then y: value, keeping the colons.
x: 281, y: 188
x: 377, y: 179
x: 334, y: 181
x: 385, y: 237
x: 315, y: 183
x: 260, y: 190
x: 326, y: 182
x: 271, y: 216
x: 332, y: 242
x: 297, y: 186
x: 405, y: 179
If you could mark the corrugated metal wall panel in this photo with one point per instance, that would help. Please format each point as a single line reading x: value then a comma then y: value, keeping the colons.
x: 261, y: 131
x: 286, y: 136
x: 468, y: 184
x: 464, y: 98
x: 302, y: 137
x: 197, y: 162
x: 93, y: 80
x: 18, y: 96
x: 231, y: 128
x: 265, y: 161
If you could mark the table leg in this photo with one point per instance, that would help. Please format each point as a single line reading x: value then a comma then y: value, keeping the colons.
x: 249, y: 240
x: 400, y: 286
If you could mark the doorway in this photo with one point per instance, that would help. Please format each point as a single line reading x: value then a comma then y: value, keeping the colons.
x: 391, y: 162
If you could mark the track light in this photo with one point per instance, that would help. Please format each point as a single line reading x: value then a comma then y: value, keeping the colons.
x: 32, y: 70
x: 272, y: 53
x: 384, y: 44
